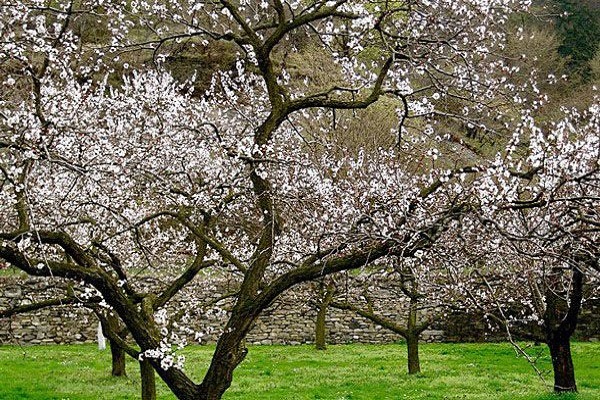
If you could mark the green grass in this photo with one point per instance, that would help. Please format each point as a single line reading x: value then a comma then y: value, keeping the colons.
x: 450, y: 371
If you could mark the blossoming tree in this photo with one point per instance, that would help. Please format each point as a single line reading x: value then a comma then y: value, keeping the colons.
x: 542, y: 228
x: 102, y: 180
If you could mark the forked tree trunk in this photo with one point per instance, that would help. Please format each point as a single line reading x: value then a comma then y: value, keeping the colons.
x: 148, y: 380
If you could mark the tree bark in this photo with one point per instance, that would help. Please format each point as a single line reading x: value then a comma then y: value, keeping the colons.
x: 560, y: 320
x: 412, y: 337
x: 412, y: 345
x: 112, y: 325
x: 148, y: 380
x: 118, y: 359
x: 562, y: 364
x: 320, y: 343
x: 320, y: 327
x: 229, y: 353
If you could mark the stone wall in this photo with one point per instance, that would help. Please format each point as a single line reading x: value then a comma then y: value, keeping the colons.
x: 289, y: 321
x: 61, y: 324
x: 286, y: 323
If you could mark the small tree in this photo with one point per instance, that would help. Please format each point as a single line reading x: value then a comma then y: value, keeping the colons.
x: 420, y: 285
x: 545, y: 221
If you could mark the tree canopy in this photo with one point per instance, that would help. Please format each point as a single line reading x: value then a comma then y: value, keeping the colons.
x: 110, y: 168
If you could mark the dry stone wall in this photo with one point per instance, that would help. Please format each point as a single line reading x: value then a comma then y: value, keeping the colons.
x: 62, y: 324
x: 290, y: 321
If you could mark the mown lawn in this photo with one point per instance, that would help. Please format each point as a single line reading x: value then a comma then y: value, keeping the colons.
x: 450, y: 371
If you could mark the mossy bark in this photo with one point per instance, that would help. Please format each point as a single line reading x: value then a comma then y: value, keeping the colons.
x: 148, y: 380
x: 320, y: 329
x: 412, y: 345
x: 118, y: 359
x: 326, y: 296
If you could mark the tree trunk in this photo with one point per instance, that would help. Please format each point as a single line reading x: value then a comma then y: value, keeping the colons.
x: 230, y: 352
x: 412, y: 337
x: 562, y: 364
x: 118, y: 359
x: 320, y: 327
x: 148, y: 380
x: 228, y: 355
x: 111, y: 326
x: 560, y: 320
x: 412, y: 344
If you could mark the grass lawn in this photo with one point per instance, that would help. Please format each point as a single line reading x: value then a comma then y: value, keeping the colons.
x: 450, y: 371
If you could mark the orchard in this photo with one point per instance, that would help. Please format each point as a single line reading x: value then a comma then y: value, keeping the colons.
x: 268, y: 171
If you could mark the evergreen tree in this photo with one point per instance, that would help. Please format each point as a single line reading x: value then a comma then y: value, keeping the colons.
x: 579, y: 26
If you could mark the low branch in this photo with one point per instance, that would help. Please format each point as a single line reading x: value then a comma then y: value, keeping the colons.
x: 308, y: 272
x: 186, y: 277
x: 44, y: 304
x: 323, y: 100
x: 379, y: 320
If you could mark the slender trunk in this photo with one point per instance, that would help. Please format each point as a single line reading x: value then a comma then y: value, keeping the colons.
x: 111, y: 326
x: 118, y: 359
x: 562, y: 364
x: 147, y: 336
x: 320, y: 328
x: 412, y: 338
x: 116, y: 351
x: 412, y: 344
x: 148, y: 380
